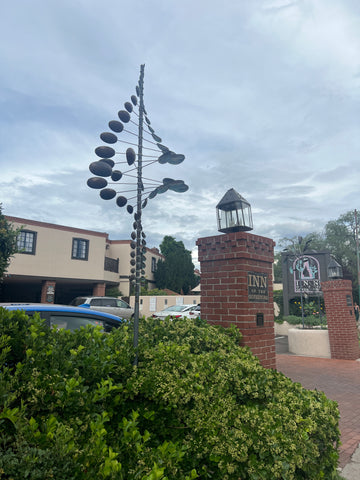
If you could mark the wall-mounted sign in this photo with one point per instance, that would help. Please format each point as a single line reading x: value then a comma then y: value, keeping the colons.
x: 50, y: 293
x: 258, y: 287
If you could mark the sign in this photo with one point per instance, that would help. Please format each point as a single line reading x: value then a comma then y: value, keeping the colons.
x: 306, y: 274
x: 258, y: 287
x: 50, y: 293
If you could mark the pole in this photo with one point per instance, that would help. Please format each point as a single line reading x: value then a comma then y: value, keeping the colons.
x: 138, y: 215
x: 357, y: 252
x: 301, y: 293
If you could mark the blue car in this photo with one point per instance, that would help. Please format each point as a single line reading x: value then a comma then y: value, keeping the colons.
x: 67, y: 317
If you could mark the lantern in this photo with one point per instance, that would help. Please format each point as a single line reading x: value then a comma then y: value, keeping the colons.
x: 233, y: 213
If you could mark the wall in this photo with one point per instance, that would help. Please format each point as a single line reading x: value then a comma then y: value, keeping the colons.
x: 53, y: 252
x: 343, y: 335
x: 73, y: 277
x: 121, y: 249
x: 151, y: 304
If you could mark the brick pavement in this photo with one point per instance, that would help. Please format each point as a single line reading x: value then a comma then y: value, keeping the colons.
x: 340, y: 381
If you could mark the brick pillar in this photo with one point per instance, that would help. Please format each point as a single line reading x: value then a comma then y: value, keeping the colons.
x: 48, y: 291
x: 343, y: 338
x: 99, y: 290
x: 237, y: 288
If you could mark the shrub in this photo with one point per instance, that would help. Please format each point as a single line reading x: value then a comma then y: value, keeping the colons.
x: 196, y: 406
x: 293, y: 320
x: 309, y: 321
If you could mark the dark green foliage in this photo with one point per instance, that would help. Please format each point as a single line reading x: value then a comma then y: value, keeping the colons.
x: 72, y: 406
x: 153, y: 292
x: 176, y: 272
x: 113, y: 292
x: 277, y: 268
x: 8, y: 236
x: 309, y: 321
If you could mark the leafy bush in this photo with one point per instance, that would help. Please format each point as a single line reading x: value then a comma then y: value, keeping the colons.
x: 309, y: 320
x: 196, y: 406
x: 155, y: 291
x: 293, y: 320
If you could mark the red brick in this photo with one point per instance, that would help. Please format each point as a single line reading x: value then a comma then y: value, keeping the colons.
x: 343, y: 336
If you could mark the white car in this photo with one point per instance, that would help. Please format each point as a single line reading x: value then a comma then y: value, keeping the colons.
x: 175, y: 311
x: 193, y: 312
x: 112, y: 305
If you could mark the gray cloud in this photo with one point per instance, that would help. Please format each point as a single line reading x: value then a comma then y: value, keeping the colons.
x: 260, y: 96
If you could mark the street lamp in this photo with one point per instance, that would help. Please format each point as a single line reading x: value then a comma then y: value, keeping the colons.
x: 233, y: 213
x: 334, y: 270
x: 144, y: 189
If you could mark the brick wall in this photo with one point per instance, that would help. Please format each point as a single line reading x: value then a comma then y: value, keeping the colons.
x: 343, y: 337
x: 99, y: 290
x: 225, y: 263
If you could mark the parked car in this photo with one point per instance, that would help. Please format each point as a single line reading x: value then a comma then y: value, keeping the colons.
x: 193, y: 312
x: 112, y: 305
x: 63, y: 316
x: 175, y: 311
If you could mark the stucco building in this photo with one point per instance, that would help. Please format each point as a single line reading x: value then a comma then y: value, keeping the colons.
x: 57, y: 263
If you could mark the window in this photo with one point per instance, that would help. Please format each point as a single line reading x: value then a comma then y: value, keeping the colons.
x: 72, y: 322
x: 97, y: 302
x: 153, y: 264
x: 80, y: 249
x: 26, y: 242
x: 122, y: 304
x: 103, y: 302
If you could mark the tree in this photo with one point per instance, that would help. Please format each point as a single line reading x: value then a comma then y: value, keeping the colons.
x: 341, y: 241
x: 277, y: 268
x: 176, y: 272
x: 8, y: 245
x: 298, y: 245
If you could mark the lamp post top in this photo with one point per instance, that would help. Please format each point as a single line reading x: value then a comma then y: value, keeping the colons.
x: 234, y: 213
x: 231, y: 200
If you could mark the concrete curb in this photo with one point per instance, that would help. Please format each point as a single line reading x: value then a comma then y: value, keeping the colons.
x: 351, y: 471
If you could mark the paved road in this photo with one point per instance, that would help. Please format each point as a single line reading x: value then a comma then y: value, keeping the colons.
x: 340, y: 381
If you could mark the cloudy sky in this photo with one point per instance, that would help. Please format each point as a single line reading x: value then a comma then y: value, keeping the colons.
x: 261, y: 96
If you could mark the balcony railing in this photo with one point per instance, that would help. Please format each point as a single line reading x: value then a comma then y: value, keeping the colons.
x: 111, y: 265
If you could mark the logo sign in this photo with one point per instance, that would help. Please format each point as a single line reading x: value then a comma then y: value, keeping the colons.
x: 306, y: 273
x: 258, y: 287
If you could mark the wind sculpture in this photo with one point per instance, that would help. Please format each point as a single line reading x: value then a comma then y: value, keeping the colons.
x: 115, y: 166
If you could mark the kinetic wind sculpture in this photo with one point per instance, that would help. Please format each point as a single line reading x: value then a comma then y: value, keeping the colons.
x: 109, y: 172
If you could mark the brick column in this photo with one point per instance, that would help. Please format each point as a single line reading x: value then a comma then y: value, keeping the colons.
x: 343, y: 337
x: 237, y: 288
x: 99, y: 290
x: 48, y: 291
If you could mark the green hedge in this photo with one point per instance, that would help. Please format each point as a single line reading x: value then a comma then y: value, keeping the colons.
x: 196, y: 406
x: 310, y: 321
